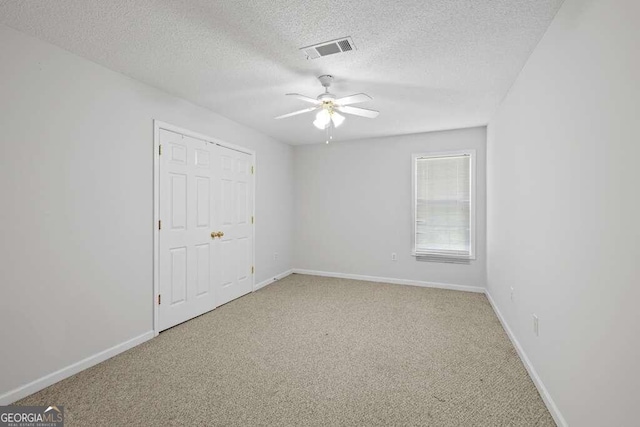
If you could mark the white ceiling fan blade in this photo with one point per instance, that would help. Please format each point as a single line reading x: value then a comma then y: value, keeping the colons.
x: 353, y: 99
x: 356, y: 111
x: 295, y: 113
x: 305, y: 98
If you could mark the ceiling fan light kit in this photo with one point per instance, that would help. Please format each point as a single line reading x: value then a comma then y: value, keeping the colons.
x: 328, y: 116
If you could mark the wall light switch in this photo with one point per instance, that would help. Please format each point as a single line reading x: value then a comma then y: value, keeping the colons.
x: 394, y: 256
x: 536, y: 330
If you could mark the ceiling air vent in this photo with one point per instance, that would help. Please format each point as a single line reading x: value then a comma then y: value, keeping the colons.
x: 344, y: 44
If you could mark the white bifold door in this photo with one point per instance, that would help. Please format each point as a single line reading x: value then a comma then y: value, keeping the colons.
x: 205, y: 256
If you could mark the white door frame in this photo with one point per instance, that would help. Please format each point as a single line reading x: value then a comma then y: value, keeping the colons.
x: 157, y: 125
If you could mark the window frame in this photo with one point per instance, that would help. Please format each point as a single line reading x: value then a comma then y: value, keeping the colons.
x: 440, y: 255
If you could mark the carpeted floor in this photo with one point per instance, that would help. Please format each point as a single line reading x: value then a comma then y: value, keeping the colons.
x: 316, y: 351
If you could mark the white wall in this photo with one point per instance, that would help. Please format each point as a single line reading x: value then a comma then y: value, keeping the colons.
x: 353, y: 207
x: 76, y: 222
x: 564, y: 209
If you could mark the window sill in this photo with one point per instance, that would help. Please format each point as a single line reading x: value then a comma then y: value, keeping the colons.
x: 449, y: 259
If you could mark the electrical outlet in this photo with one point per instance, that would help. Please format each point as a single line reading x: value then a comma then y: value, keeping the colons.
x: 394, y: 256
x: 536, y: 329
x: 512, y: 293
x: 275, y: 256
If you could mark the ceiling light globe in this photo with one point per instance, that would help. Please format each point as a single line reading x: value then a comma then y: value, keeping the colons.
x: 338, y: 119
x: 320, y: 124
x: 323, y: 115
x: 323, y: 118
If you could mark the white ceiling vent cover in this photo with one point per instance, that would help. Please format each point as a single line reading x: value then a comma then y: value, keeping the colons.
x: 344, y: 44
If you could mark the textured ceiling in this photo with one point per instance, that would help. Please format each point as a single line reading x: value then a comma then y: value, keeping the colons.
x: 429, y: 65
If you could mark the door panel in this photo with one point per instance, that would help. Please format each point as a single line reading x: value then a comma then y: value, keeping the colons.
x: 178, y: 152
x: 203, y: 269
x: 243, y: 246
x: 186, y: 285
x: 203, y: 188
x: 241, y: 200
x: 226, y: 203
x: 178, y: 283
x: 227, y: 264
x: 235, y: 206
x: 178, y: 201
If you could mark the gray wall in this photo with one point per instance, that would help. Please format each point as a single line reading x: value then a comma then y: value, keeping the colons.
x: 564, y: 209
x: 353, y: 207
x: 76, y: 222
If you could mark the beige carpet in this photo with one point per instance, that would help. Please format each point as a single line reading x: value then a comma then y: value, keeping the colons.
x: 316, y: 351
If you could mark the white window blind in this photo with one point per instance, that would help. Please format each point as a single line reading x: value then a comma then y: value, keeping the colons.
x: 444, y: 208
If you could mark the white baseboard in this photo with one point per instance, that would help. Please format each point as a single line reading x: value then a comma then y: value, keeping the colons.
x: 271, y: 280
x: 44, y: 382
x: 464, y: 288
x: 544, y: 393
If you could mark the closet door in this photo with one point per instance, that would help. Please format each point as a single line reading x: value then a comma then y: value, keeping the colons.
x: 234, y: 208
x: 186, y: 248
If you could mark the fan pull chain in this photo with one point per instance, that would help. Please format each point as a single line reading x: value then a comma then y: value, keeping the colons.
x: 329, y: 131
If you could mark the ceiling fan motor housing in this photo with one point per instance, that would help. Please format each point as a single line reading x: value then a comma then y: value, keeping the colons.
x: 326, y: 80
x: 326, y: 97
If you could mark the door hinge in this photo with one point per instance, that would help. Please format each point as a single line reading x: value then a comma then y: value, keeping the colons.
x: 159, y: 224
x: 160, y: 150
x: 251, y: 219
x: 252, y: 269
x: 159, y: 299
x: 251, y: 170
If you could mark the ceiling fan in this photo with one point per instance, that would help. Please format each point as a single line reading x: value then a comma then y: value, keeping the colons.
x: 329, y: 107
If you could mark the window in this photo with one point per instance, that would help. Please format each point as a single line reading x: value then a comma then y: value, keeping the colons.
x: 444, y: 205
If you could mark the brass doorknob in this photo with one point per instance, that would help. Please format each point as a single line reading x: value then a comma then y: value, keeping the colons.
x: 220, y: 233
x: 215, y: 234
